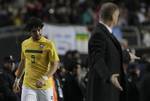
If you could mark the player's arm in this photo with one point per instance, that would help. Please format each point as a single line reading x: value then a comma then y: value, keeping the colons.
x: 52, y: 68
x: 19, y: 73
x: 54, y: 61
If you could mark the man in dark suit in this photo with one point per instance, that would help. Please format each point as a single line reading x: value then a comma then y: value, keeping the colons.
x: 106, y: 77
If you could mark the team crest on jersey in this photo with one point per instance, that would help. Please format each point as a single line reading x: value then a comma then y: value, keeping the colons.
x: 41, y: 46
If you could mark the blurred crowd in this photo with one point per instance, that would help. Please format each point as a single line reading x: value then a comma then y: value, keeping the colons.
x: 82, y: 12
x: 7, y: 78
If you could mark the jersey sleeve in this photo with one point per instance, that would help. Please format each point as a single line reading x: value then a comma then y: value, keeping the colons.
x: 53, y: 53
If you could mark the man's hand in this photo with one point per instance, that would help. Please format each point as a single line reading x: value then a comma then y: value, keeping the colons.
x: 16, y: 87
x: 115, y: 82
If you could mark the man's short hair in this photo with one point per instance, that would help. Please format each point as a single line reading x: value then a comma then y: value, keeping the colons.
x: 107, y: 10
x: 33, y: 23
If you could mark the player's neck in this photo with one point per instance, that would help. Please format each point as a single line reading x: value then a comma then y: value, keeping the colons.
x: 36, y: 39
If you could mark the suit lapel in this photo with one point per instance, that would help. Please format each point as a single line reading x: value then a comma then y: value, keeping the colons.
x: 115, y: 41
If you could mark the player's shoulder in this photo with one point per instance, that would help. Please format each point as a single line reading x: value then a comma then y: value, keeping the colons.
x: 26, y: 41
x: 43, y: 39
x: 50, y: 43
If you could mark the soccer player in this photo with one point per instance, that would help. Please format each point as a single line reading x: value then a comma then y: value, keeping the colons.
x: 39, y: 61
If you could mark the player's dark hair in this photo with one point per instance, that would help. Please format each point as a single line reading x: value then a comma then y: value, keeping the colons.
x: 33, y: 23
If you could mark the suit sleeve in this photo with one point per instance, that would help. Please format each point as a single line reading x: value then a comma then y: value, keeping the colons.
x: 97, y: 45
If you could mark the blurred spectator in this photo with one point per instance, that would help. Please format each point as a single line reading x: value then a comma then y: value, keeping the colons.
x: 76, y: 57
x: 7, y: 79
x: 146, y: 38
x: 144, y: 86
x: 124, y: 44
x: 86, y: 14
x: 123, y: 19
x: 132, y: 74
x: 58, y: 85
x: 9, y: 69
x: 141, y: 12
x: 71, y: 87
x: 5, y: 16
x: 147, y: 18
x: 67, y: 61
x: 18, y: 18
x: 133, y: 79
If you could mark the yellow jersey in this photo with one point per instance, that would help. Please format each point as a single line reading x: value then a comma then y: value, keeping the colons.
x: 37, y: 55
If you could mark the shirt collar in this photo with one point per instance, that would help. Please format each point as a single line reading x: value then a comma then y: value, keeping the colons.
x: 42, y: 39
x: 109, y: 29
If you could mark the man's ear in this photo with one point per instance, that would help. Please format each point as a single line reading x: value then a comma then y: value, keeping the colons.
x: 110, y: 18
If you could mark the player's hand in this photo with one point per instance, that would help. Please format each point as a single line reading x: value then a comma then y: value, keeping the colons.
x: 40, y: 83
x: 115, y: 82
x: 133, y: 56
x: 16, y: 87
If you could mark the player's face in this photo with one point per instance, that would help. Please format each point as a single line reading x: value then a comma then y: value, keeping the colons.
x: 36, y: 33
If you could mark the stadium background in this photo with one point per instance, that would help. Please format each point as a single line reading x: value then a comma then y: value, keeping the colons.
x: 69, y: 24
x: 133, y: 23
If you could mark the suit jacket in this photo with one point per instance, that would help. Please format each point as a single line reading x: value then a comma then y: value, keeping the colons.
x: 105, y: 59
